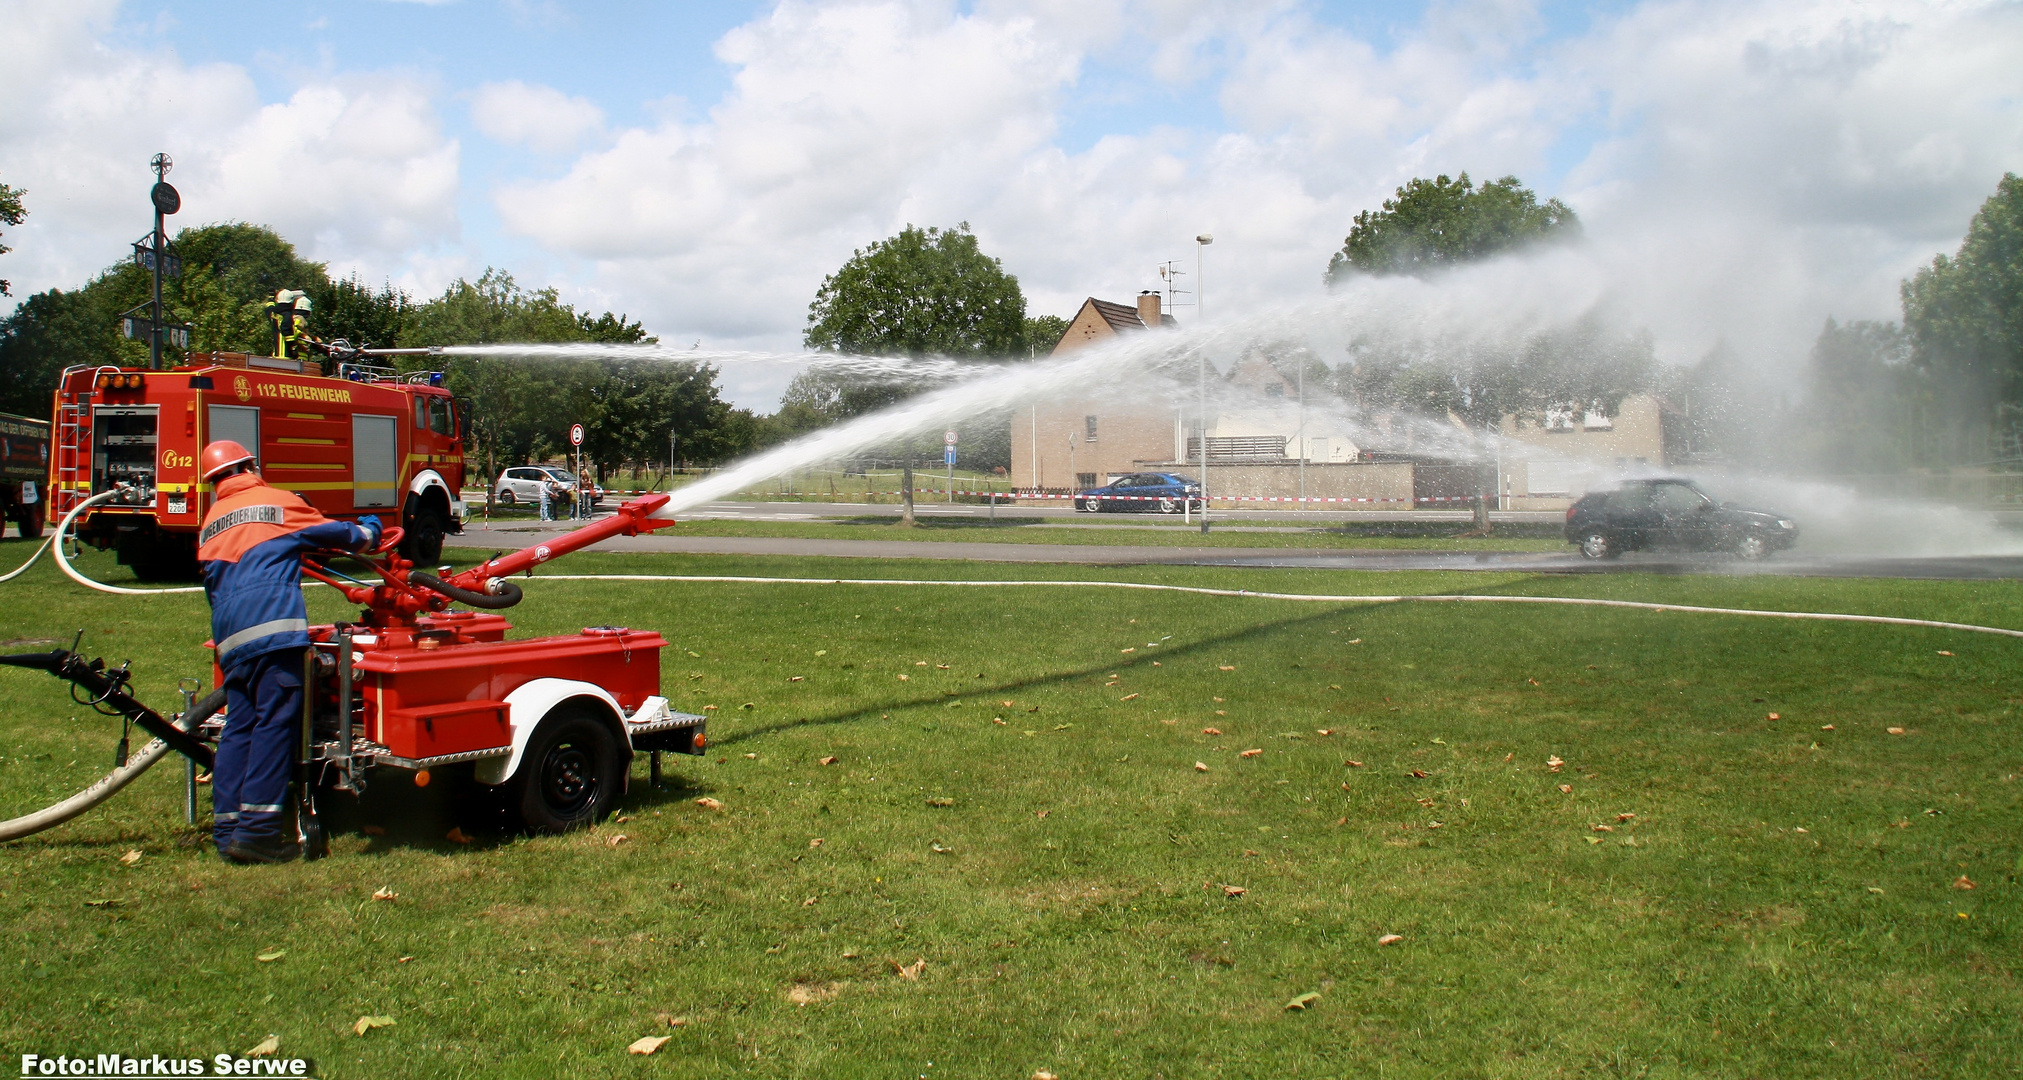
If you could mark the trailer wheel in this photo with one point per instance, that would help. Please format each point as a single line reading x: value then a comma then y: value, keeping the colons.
x: 570, y: 774
x: 423, y: 542
x: 28, y: 518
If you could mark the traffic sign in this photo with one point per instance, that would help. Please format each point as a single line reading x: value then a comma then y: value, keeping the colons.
x: 575, y: 434
x: 948, y: 436
x: 948, y: 455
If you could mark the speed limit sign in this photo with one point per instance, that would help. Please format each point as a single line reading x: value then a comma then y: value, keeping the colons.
x: 948, y: 437
x: 575, y: 434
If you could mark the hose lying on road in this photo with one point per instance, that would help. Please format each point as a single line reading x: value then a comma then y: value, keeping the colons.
x: 110, y: 784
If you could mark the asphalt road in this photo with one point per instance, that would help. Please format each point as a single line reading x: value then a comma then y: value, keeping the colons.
x: 1789, y: 564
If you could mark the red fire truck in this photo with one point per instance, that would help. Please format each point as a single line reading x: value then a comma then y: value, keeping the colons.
x: 360, y: 439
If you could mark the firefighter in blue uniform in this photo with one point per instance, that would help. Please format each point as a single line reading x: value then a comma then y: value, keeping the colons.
x: 251, y: 548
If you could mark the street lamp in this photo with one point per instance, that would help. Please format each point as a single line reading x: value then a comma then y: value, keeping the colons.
x: 1200, y: 300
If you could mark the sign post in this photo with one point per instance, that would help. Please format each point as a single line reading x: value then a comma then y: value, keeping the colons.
x: 948, y: 457
x: 576, y: 440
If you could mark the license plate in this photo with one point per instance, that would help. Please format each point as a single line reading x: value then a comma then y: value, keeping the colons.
x: 178, y: 506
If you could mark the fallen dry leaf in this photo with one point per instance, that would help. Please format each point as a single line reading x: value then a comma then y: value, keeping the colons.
x: 271, y: 955
x: 1507, y: 757
x: 1625, y: 817
x: 830, y: 760
x: 1826, y: 727
x: 456, y: 836
x: 815, y: 843
x: 130, y: 857
x: 1225, y: 667
x: 941, y: 800
x: 1962, y: 882
x: 942, y: 667
x: 1042, y: 1074
x: 1353, y: 763
x: 267, y: 1046
x: 1132, y: 649
x: 1341, y: 821
x: 671, y: 1020
x: 1324, y: 731
x: 616, y: 839
x: 385, y: 893
x: 1390, y: 939
x: 1128, y: 697
x: 402, y: 959
x: 909, y: 972
x: 1554, y: 762
x: 811, y: 993
x: 1605, y: 828
x: 1302, y: 1001
x: 1773, y: 716
x: 367, y: 1023
x: 1234, y: 890
x: 648, y: 1044
x: 1211, y: 731
x: 1945, y: 652
x: 1250, y: 753
x: 1895, y: 730
x: 796, y: 678
x: 810, y: 901
x: 1006, y: 704
x: 1418, y: 774
x: 1041, y: 814
x: 1566, y: 789
x: 622, y: 818
x: 708, y: 803
x: 1200, y: 766
x: 905, y: 678
x: 709, y: 708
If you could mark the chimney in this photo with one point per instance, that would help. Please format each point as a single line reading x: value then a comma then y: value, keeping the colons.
x: 1148, y: 308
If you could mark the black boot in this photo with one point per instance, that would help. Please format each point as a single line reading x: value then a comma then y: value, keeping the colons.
x: 275, y: 850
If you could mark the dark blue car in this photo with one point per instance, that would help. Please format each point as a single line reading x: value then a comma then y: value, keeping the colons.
x: 1143, y: 492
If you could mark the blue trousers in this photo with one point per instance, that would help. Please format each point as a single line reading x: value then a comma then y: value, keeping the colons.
x: 256, y: 753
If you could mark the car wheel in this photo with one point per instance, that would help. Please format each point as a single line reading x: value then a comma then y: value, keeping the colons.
x: 506, y: 497
x: 1596, y: 545
x: 570, y: 774
x: 1169, y: 506
x: 1752, y: 547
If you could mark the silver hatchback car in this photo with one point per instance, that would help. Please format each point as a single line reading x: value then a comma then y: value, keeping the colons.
x: 522, y: 483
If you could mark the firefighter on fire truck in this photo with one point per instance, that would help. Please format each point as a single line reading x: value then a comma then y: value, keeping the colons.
x: 290, y: 315
x: 250, y: 549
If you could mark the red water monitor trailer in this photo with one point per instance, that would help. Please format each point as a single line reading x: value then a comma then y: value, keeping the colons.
x: 24, y: 465
x: 361, y: 440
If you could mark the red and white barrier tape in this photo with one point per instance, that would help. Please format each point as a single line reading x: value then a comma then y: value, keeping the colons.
x: 1019, y: 496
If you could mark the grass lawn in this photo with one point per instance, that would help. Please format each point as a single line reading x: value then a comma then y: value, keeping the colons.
x: 1698, y: 890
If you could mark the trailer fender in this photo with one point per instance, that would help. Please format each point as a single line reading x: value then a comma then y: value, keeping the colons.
x: 529, y: 704
x: 427, y: 480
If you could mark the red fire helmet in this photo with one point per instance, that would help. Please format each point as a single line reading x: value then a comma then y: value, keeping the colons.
x: 222, y: 455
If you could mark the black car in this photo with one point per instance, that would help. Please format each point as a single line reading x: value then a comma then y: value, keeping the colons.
x: 1672, y: 513
x: 1142, y: 492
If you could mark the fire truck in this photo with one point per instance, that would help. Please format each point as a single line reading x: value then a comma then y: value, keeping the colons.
x: 24, y: 463
x: 357, y: 439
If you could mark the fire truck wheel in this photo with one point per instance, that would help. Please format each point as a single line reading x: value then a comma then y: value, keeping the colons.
x: 423, y: 543
x: 569, y: 776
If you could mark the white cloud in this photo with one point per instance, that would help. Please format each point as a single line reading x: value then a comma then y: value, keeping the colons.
x: 540, y: 117
x: 354, y: 170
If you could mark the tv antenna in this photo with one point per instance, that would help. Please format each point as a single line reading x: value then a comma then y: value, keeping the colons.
x: 1169, y: 272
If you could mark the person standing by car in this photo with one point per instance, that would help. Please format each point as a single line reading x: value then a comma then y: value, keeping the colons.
x: 251, y: 550
x: 547, y: 498
x: 584, y: 489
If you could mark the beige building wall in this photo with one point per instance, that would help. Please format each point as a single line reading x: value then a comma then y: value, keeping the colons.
x: 1553, y: 467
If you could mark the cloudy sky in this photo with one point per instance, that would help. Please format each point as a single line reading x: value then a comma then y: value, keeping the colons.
x: 1744, y: 170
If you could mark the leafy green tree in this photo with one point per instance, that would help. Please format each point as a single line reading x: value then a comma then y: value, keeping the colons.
x: 1964, y: 317
x: 1434, y: 224
x: 11, y: 213
x: 924, y: 292
x: 1043, y: 332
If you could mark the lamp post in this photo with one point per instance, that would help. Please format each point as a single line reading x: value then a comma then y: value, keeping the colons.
x: 1200, y: 305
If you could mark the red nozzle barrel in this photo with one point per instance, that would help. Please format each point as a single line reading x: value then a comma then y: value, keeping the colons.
x: 630, y: 519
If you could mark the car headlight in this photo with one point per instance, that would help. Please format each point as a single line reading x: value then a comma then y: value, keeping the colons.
x: 1783, y: 524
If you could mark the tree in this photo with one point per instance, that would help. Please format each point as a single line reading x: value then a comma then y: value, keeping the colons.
x: 921, y: 293
x: 1964, y: 318
x: 11, y: 213
x: 1435, y: 224
x: 1043, y: 332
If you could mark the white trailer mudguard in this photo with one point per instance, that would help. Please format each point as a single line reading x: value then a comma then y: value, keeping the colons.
x: 528, y: 706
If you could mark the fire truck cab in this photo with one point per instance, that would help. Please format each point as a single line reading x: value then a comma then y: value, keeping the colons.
x: 360, y: 440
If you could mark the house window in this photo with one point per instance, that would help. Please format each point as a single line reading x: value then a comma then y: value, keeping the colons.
x: 1597, y: 420
x: 1558, y: 418
x: 1091, y: 422
x: 1085, y: 480
x: 1275, y: 390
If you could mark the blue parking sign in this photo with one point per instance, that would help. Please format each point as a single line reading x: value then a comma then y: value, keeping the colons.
x: 948, y: 455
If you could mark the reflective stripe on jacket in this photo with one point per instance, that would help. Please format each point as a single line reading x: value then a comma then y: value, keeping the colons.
x: 251, y: 547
